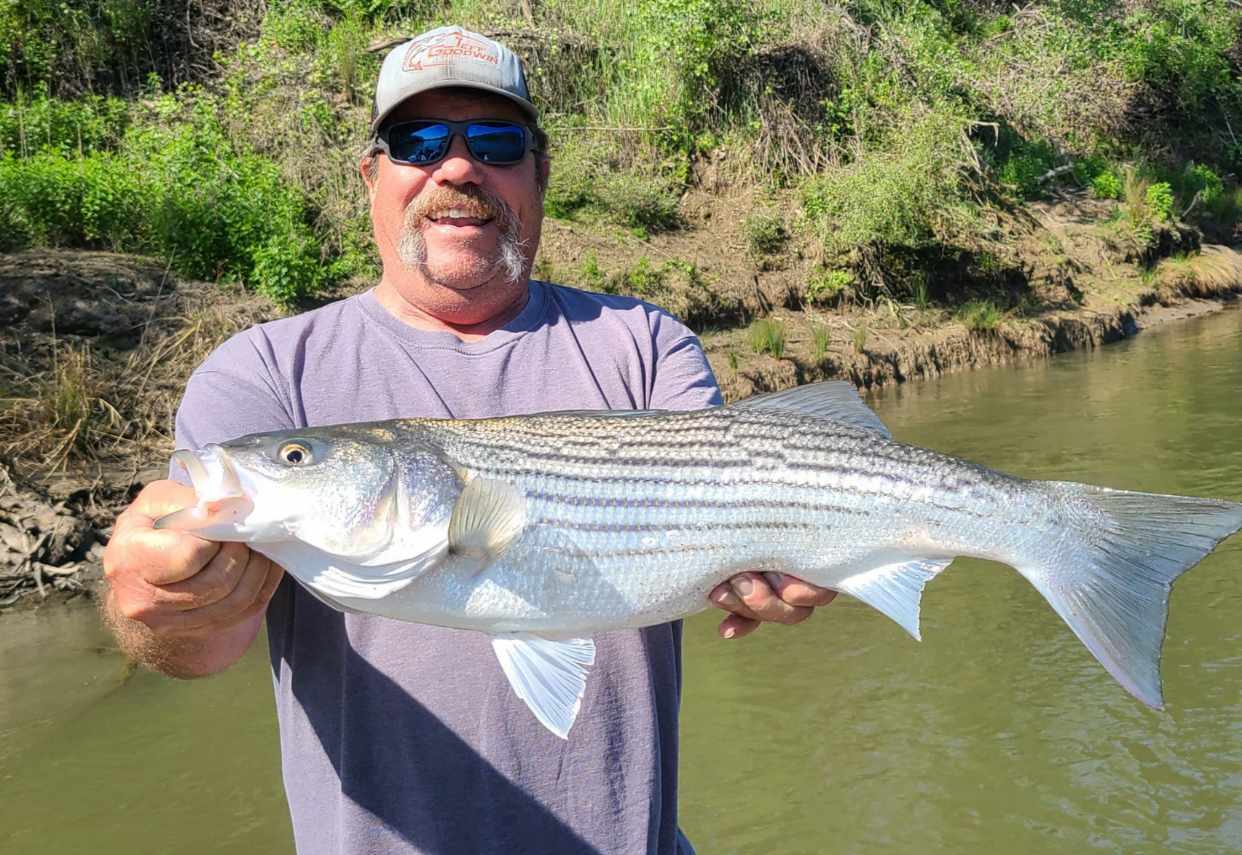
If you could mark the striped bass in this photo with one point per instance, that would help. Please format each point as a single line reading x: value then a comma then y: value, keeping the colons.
x: 545, y: 530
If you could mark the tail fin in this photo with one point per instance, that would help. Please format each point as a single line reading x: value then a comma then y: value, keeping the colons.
x: 1109, y: 577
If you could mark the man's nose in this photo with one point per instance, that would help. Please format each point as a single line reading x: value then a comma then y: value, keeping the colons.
x: 458, y: 166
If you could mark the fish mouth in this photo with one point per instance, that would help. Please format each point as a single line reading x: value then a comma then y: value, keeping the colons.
x: 222, y: 505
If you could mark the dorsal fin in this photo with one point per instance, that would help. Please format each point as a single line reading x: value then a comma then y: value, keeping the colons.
x: 832, y: 399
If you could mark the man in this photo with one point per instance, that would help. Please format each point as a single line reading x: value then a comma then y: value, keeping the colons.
x: 404, y: 737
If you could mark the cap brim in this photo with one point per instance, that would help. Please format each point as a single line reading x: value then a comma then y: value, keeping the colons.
x: 527, y: 107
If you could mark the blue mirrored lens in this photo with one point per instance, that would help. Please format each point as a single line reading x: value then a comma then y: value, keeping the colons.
x: 419, y: 142
x: 496, y: 142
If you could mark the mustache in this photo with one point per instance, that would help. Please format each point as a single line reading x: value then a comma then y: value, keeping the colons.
x: 476, y: 201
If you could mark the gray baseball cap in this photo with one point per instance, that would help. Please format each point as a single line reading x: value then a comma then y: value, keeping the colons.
x: 449, y: 56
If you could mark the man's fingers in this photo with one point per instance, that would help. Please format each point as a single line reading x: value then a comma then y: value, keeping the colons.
x: 796, y: 592
x: 163, y: 557
x: 763, y: 603
x: 736, y: 626
x: 724, y: 597
x: 242, y: 601
x: 218, y: 578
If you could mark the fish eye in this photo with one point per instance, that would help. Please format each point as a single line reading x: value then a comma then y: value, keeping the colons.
x: 295, y: 454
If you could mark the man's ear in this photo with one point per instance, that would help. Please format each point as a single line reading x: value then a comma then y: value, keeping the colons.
x: 543, y: 171
x: 368, y: 167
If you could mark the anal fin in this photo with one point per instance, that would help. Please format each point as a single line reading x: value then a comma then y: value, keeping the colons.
x: 896, y: 589
x: 550, y: 676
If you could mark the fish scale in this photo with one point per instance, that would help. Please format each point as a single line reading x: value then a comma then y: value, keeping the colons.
x: 545, y: 530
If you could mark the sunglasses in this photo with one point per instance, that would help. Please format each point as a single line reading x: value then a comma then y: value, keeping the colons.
x: 426, y: 141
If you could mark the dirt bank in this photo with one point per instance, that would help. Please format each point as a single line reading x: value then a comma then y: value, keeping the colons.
x: 892, y: 350
x: 95, y: 348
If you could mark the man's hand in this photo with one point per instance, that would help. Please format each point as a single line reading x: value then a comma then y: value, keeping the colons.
x: 757, y: 597
x: 178, y: 603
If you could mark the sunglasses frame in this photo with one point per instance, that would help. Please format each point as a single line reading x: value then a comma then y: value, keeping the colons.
x: 456, y: 129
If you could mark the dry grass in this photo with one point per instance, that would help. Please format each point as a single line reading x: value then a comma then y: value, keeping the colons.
x: 1210, y: 273
x: 68, y: 401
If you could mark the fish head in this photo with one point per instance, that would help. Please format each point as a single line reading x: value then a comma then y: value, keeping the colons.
x: 345, y: 490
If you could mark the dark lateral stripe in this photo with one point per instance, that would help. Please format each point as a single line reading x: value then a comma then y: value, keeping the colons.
x: 658, y: 454
x: 704, y: 504
x: 826, y: 471
x: 638, y: 528
x: 596, y: 500
x: 644, y: 552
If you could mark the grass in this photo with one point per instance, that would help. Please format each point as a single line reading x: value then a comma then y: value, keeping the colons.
x: 980, y: 316
x: 64, y: 404
x: 821, y: 339
x: 858, y: 338
x: 767, y: 335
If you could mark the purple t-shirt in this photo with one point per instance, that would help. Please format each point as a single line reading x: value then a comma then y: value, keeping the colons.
x: 400, y: 737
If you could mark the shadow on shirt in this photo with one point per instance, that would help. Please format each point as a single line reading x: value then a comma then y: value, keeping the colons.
x: 378, y: 770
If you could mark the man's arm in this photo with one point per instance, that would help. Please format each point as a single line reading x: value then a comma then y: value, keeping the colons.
x: 684, y: 380
x: 181, y: 605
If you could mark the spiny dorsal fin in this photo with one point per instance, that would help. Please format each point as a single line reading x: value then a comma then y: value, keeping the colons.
x: 488, y: 516
x: 833, y: 399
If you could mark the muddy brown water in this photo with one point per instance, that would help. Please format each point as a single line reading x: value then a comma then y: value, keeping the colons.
x: 998, y: 733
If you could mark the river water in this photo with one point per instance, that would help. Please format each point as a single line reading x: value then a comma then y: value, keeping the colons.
x: 998, y: 733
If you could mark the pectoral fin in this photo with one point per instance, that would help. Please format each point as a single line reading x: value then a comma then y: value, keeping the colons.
x: 488, y: 516
x: 896, y: 589
x: 550, y: 676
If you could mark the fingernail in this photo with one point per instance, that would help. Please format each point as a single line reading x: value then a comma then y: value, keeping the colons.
x: 722, y: 597
x: 743, y: 586
x: 730, y: 632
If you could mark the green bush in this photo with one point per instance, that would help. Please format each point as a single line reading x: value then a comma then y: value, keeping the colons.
x: 825, y: 286
x: 1160, y: 201
x: 907, y: 191
x: 644, y: 203
x: 1182, y: 48
x: 1106, y: 185
x: 1198, y: 179
x: 642, y: 280
x: 1025, y: 166
x: 83, y: 125
x: 83, y: 46
x: 765, y: 235
x: 587, y: 178
x: 183, y: 193
x: 683, y: 56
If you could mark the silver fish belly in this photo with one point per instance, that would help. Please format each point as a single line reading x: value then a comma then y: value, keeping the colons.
x: 559, y: 526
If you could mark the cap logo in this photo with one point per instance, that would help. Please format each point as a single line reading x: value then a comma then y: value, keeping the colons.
x: 443, y: 48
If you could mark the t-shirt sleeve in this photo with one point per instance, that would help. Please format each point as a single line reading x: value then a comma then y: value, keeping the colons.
x: 683, y: 379
x: 233, y: 393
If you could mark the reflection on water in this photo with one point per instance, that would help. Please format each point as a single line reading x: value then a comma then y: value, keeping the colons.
x: 997, y: 733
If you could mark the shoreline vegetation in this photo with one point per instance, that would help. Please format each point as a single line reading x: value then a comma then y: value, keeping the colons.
x: 874, y: 190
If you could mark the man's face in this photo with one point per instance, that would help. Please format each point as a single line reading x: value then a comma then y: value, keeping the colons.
x: 457, y: 224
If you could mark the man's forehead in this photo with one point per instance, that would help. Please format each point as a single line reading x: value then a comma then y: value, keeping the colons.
x: 457, y: 103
